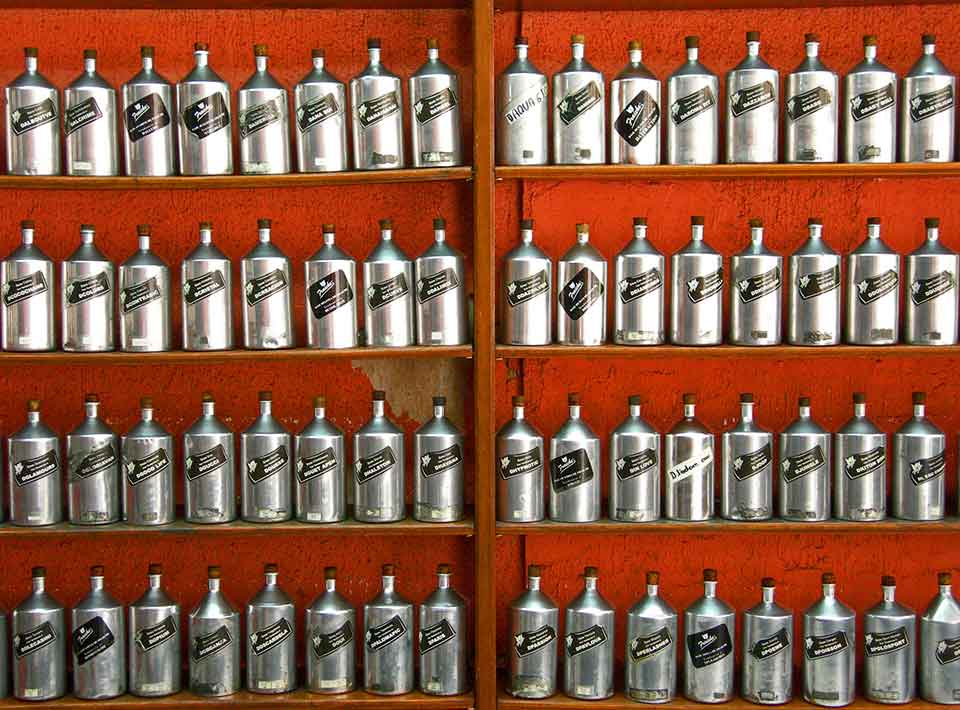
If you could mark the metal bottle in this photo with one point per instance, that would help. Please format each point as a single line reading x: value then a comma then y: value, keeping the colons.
x: 811, y: 97
x: 435, y: 113
x: 927, y: 112
x: 534, y: 625
x: 271, y: 638
x: 29, y: 294
x: 320, y: 451
x: 575, y: 469
x: 204, y: 132
x: 582, y: 288
x: 638, y: 303
x: 870, y: 114
x: 930, y: 304
x: 90, y: 122
x: 148, y: 465
x: 919, y: 466
x: 650, y: 661
x: 330, y: 628
x: 441, y: 293
x: 693, y: 131
x: 36, y: 478
x: 320, y: 107
x: 519, y: 450
x: 873, y: 291
x: 889, y: 649
x: 263, y: 121
x: 688, y: 467
x: 144, y: 299
x: 209, y: 468
x: 33, y: 122
x: 747, y: 473
x: 266, y: 278
x: 93, y: 462
x: 829, y: 640
x: 388, y: 641
x: 526, y: 297
x: 438, y: 457
x: 206, y: 286
x: 522, y: 111
x: 331, y: 294
x: 379, y: 467
x: 635, y: 455
x: 805, y: 465
x: 87, y: 315
x: 814, y: 292
x: 635, y: 112
x: 38, y: 628
x: 154, y: 640
x: 442, y: 639
x: 767, y: 650
x: 940, y: 646
x: 98, y: 643
x: 376, y: 100
x: 696, y: 299
x: 708, y: 652
x: 579, y: 113
x: 5, y: 648
x: 149, y: 141
x: 753, y: 108
x: 589, y: 643
x: 860, y: 463
x: 388, y: 306
x: 756, y: 292
x: 265, y: 467
x: 214, y: 642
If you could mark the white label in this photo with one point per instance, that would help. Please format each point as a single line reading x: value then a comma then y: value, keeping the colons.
x: 320, y: 162
x: 25, y: 339
x: 82, y: 165
x: 163, y: 687
x: 256, y: 168
x: 314, y: 516
x: 267, y: 513
x: 585, y: 690
x: 338, y: 683
x: 139, y: 342
x: 690, y: 466
x: 432, y: 686
x: 32, y: 692
x: 270, y: 684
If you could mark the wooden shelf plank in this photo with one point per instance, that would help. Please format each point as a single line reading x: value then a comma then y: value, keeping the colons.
x: 719, y: 526
x: 239, y: 4
x: 772, y: 352
x: 579, y: 5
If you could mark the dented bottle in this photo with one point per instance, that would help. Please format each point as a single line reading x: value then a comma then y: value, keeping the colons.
x: 29, y: 289
x: 919, y: 467
x: 376, y: 100
x: 388, y: 640
x: 526, y: 293
x: 330, y: 628
x: 154, y: 640
x: 209, y: 468
x: 263, y: 121
x: 379, y: 467
x: 93, y: 461
x: 443, y: 640
x: 589, y: 643
x: 38, y: 629
x: 522, y: 111
x: 98, y: 643
x: 650, y: 659
x: 265, y: 467
x: 767, y: 650
x: 829, y: 639
x: 889, y: 649
x: 860, y: 465
x: 696, y: 299
x: 520, y: 458
x: 271, y: 638
x: 435, y: 113
x: 214, y: 642
x: 747, y: 474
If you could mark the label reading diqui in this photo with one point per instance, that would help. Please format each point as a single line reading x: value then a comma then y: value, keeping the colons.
x: 580, y: 292
x: 31, y: 116
x: 150, y: 637
x: 923, y: 470
x: 90, y: 639
x: 876, y: 287
x: 579, y: 642
x: 755, y: 287
x: 309, y: 467
x: 433, y: 637
x: 578, y: 102
x: 815, y: 647
x: 316, y: 111
x: 328, y: 293
x: 27, y: 471
x: 880, y: 643
x: 429, y: 107
x: 140, y: 294
x: 637, y: 119
x: 570, y: 470
x: 872, y: 102
x: 858, y: 465
x: 632, y: 288
x: 205, y: 117
x: 139, y: 470
x: 84, y: 289
x: 643, y: 648
x: 709, y: 646
x: 433, y: 285
x: 262, y: 287
x: 808, y: 102
x: 377, y: 109
x: 636, y: 464
x: 211, y: 644
x: 931, y: 103
x: 770, y: 646
x: 33, y: 640
x: 22, y: 288
x: 923, y: 290
x: 510, y: 465
x: 387, y: 291
x: 750, y: 464
x: 527, y: 288
x: 80, y: 115
x: 436, y: 462
x: 818, y: 283
x: 799, y: 465
x: 527, y: 642
x: 203, y: 286
x: 375, y: 465
x: 200, y: 463
x: 381, y: 636
x: 269, y: 637
x: 324, y: 645
x: 752, y: 97
x: 96, y: 460
x: 262, y: 467
x: 692, y: 105
x: 700, y: 288
x: 145, y: 116
x: 256, y: 118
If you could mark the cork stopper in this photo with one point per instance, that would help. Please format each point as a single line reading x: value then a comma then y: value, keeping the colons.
x: 439, y: 401
x: 573, y: 399
x: 696, y: 221
x: 86, y: 227
x: 143, y: 230
x: 206, y: 225
x: 583, y: 228
x: 533, y: 571
x: 634, y: 44
x: 444, y: 569
x: 521, y: 40
x: 689, y: 398
x: 859, y: 398
x: 633, y: 400
x: 814, y: 221
x: 263, y: 223
x: 590, y: 572
x: 316, y: 53
x: 519, y: 400
x: 804, y: 401
x: 873, y: 220
x: 692, y: 41
x: 200, y: 47
x: 155, y: 568
x: 386, y: 224
x: 96, y: 571
x: 319, y: 401
x: 653, y: 577
x: 526, y: 224
x: 709, y: 575
x: 265, y: 396
x: 30, y: 52
x: 433, y: 43
x: 639, y: 221
x: 811, y: 37
x: 944, y: 578
x: 38, y: 572
x: 207, y: 397
x: 931, y: 222
x: 89, y: 54
x: 578, y: 39
x: 271, y: 568
x: 33, y: 405
x: 146, y: 52
x: 387, y: 570
x: 91, y: 398
x: 756, y: 222
x: 869, y: 40
x: 439, y: 223
x: 888, y: 580
x: 746, y: 398
x: 146, y: 403
x: 27, y: 224
x: 329, y: 572
x: 379, y: 396
x: 213, y: 572
x: 928, y: 39
x: 259, y: 50
x: 753, y: 36
x: 768, y: 582
x: 373, y: 43
x: 828, y: 578
x: 919, y: 397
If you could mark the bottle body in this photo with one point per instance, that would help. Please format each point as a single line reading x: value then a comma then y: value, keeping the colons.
x: 870, y: 116
x: 29, y: 286
x: 435, y: 116
x: 388, y: 306
x: 522, y: 114
x: 927, y: 115
x: 331, y: 301
x: 209, y: 469
x: 860, y: 480
x: 388, y: 645
x: 689, y: 472
x: 756, y: 296
x: 889, y: 653
x: 377, y: 104
x: 747, y: 473
x: 320, y: 105
x: 579, y: 114
x: 147, y: 453
x: 520, y: 457
x: 873, y: 296
x: 635, y: 120
x: 753, y: 112
x: 379, y: 465
x: 263, y: 123
x: 321, y: 464
x: 582, y: 288
x: 828, y: 654
x: 638, y: 308
x: 526, y: 297
x: 144, y: 303
x: 154, y: 645
x: 90, y: 126
x: 33, y: 120
x: 575, y: 468
x: 267, y: 315
x: 87, y: 318
x: 204, y: 128
x: 36, y: 476
x: 330, y: 626
x: 919, y: 469
x: 271, y: 642
x: 442, y: 643
x: 439, y: 463
x: 206, y: 284
x: 811, y: 124
x: 930, y: 306
x: 635, y: 455
x: 534, y: 627
x: 589, y: 646
x: 940, y: 649
x: 97, y: 644
x: 767, y: 669
x: 149, y: 142
x: 708, y: 651
x: 650, y: 661
x: 267, y: 478
x: 38, y: 630
x: 805, y: 472
x: 214, y: 646
x: 93, y: 461
x: 696, y: 299
x: 814, y: 317
x: 441, y: 306
x: 693, y: 131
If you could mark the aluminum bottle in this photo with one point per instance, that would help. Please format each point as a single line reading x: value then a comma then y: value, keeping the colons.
x: 756, y: 293
x: 522, y: 110
x: 829, y: 640
x: 330, y: 625
x: 930, y: 306
x: 812, y: 94
x: 526, y: 296
x: 860, y: 463
x: 266, y: 278
x: 534, y: 625
x: 940, y: 646
x: 388, y: 641
x: 767, y: 650
x: 379, y: 467
x: 149, y: 142
x: 814, y: 292
x: 650, y: 661
x: 29, y: 289
x: 214, y: 642
x: 747, y: 473
x: 376, y: 100
x: 97, y: 642
x: 889, y: 649
x: 154, y: 640
x: 575, y: 469
x: 708, y: 652
x: 320, y: 107
x: 4, y: 654
x: 331, y: 294
x: 204, y: 132
x: 689, y: 466
x: 33, y: 122
x: 870, y: 115
x: 263, y: 120
x: 927, y: 112
x: 873, y: 291
x: 205, y: 283
x: 38, y: 628
x: 579, y: 112
x: 87, y: 315
x: 519, y: 449
x: 388, y: 306
x: 435, y: 113
x: 582, y: 288
x: 144, y: 299
x: 148, y: 463
x: 693, y: 131
x: 696, y: 299
x: 753, y: 108
x: 265, y: 461
x: 438, y: 457
x: 589, y: 643
x: 320, y: 451
x: 271, y: 638
x: 90, y: 122
x: 805, y: 464
x: 93, y: 462
x: 919, y: 448
x: 638, y: 303
x: 441, y: 293
x: 635, y: 454
x: 442, y: 639
x: 209, y: 468
x: 635, y: 112
x: 36, y: 479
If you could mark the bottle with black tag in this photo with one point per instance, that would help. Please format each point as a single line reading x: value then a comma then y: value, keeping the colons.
x: 805, y: 466
x: 753, y: 108
x: 147, y: 451
x: 638, y: 299
x: 267, y: 283
x: 87, y: 315
x: 98, y: 642
x: 767, y: 650
x: 331, y: 293
x: 526, y: 293
x: 321, y: 454
x: 320, y: 106
x: 746, y: 484
x: 36, y: 477
x: 927, y: 110
x: 154, y: 634
x: 376, y: 99
x: 589, y: 643
x: 330, y: 629
x: 689, y: 464
x: 149, y: 141
x: 650, y: 659
x: 930, y: 282
x: 204, y: 129
x: 579, y: 115
x: 435, y: 113
x: 441, y: 292
x: 919, y: 466
x: 93, y: 462
x: 271, y: 638
x: 582, y: 283
x: 388, y: 306
x: 206, y: 278
x: 263, y: 120
x: 889, y: 649
x: 696, y: 299
x: 814, y: 291
x: 811, y: 98
x: 209, y: 468
x: 144, y: 299
x: 635, y: 112
x: 214, y: 642
x: 443, y: 640
x: 438, y: 457
x: 379, y: 467
x: 693, y: 93
x: 90, y: 122
x: 33, y: 120
x: 266, y: 468
x: 635, y: 455
x: 870, y: 116
x: 388, y: 640
x: 29, y: 293
x: 756, y: 292
x: 38, y: 629
x: 534, y: 626
x: 575, y: 468
x: 860, y: 466
x: 520, y: 458
x: 708, y: 649
x: 940, y: 645
x: 829, y: 639
x: 873, y: 291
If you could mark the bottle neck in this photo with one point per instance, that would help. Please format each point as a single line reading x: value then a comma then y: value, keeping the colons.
x: 92, y: 409
x: 30, y: 64
x: 147, y: 63
x: 86, y: 237
x: 263, y: 234
x: 33, y: 417
x: 329, y: 238
x: 200, y: 58
x: 804, y: 412
x: 213, y: 584
x: 146, y: 414
x: 589, y: 584
x: 756, y: 235
x: 653, y: 590
x: 946, y: 590
x: 386, y: 235
x: 208, y: 408
x: 533, y: 584
x: 709, y: 589
x: 635, y: 55
x: 919, y: 411
x: 153, y: 581
x: 753, y: 49
x: 870, y: 52
x: 816, y: 231
x: 696, y: 232
x: 388, y: 583
x: 319, y: 412
x: 574, y: 411
x: 330, y: 585
x: 583, y: 237
x: 813, y: 49
x: 521, y: 51
x: 693, y: 54
x: 206, y: 237
x: 261, y: 63
x: 929, y: 49
x: 39, y: 584
x: 270, y: 579
x: 143, y: 242
x: 266, y: 407
x: 526, y: 236
x: 639, y: 231
x: 689, y: 411
x: 374, y: 56
x: 439, y: 235
x: 768, y: 593
x: 873, y: 231
x: 378, y: 408
x: 433, y: 54
x: 96, y: 584
x: 859, y: 410
x: 933, y: 234
x: 439, y: 411
x: 90, y: 65
x: 889, y: 594
x: 26, y: 235
x: 746, y: 411
x: 318, y: 63
x: 576, y: 50
x: 443, y: 581
x: 634, y: 410
x: 518, y: 413
x: 829, y: 591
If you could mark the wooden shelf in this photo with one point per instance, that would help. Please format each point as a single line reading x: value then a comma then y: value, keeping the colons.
x: 772, y: 352
x: 692, y: 4
x: 239, y: 4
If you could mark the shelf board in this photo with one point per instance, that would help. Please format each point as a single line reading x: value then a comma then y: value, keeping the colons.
x: 239, y: 4
x: 771, y: 352
x: 578, y: 5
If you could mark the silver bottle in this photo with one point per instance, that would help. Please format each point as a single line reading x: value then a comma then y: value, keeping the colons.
x: 526, y: 293
x: 214, y: 642
x: 889, y: 649
x: 330, y: 629
x: 206, y: 286
x: 638, y: 303
x: 441, y: 293
x: 575, y: 469
x: 388, y: 305
x: 33, y: 122
x: 829, y: 639
x: 38, y: 629
x: 36, y: 476
x: 204, y: 131
x: 811, y: 97
x: 320, y: 452
x: 650, y: 661
x: 522, y: 111
x: 148, y: 465
x: 635, y: 455
x: 209, y: 468
x: 93, y: 461
x: 388, y: 641
x: 379, y: 473
x: 267, y: 282
x: 753, y: 108
x: 98, y: 643
x: 265, y: 468
x: 376, y: 100
x: 520, y: 455
x: 534, y: 625
x: 940, y: 646
x: 756, y: 292
x: 873, y: 291
x: 5, y: 648
x: 696, y: 299
x: 149, y: 141
x: 767, y: 650
x: 144, y: 299
x: 870, y: 113
x: 927, y: 112
x: 271, y: 638
x: 435, y: 139
x: 439, y: 461
x: 805, y: 465
x: 90, y: 122
x: 635, y: 112
x: 331, y: 295
x: 930, y: 304
x: 860, y: 463
x: 919, y: 465
x: 746, y: 490
x: 29, y: 295
x: 320, y: 110
x: 688, y: 467
x: 579, y: 111
x: 813, y: 295
x: 589, y: 643
x: 442, y: 639
x: 693, y: 131
x: 87, y: 315
x: 263, y: 121
x: 582, y: 288
x: 708, y: 652
x: 154, y: 640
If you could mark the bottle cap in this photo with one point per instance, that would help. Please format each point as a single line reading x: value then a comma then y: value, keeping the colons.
x: 634, y: 44
x: 329, y: 228
x: 316, y: 53
x: 91, y: 398
x: 386, y: 224
x: 931, y: 222
x: 519, y: 400
x: 439, y: 401
x: 387, y: 570
x: 590, y: 572
x: 259, y: 50
x: 213, y: 572
x: 919, y: 397
x: 207, y: 397
x: 633, y: 400
x: 696, y: 221
x: 768, y: 582
x: 30, y: 51
x: 89, y: 54
x: 653, y: 577
x: 804, y: 401
x: 373, y: 43
x: 746, y: 398
x: 329, y: 572
x: 27, y: 224
x: 873, y: 220
x: 38, y: 572
x: 753, y: 36
x: 709, y: 575
x: 526, y: 224
x: 814, y: 221
x: 200, y: 47
x: 869, y: 40
x: 96, y: 571
x: 33, y: 405
x: 756, y: 222
x: 828, y: 578
x: 533, y: 571
x: 265, y: 395
x: 521, y: 40
x: 583, y: 228
x: 944, y: 578
x: 143, y: 230
x: 859, y: 398
x: 319, y: 401
x: 639, y: 221
x: 206, y: 225
x: 444, y: 569
x: 146, y: 52
x: 928, y: 39
x: 692, y: 41
x: 573, y: 399
x: 86, y: 227
x: 263, y: 223
x: 379, y: 396
x: 155, y: 568
x: 578, y: 39
x: 433, y: 43
x: 439, y: 223
x: 811, y: 37
x: 689, y: 398
x: 271, y: 568
x: 888, y: 580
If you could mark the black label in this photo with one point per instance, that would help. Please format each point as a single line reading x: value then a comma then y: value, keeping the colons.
x: 90, y: 639
x: 692, y: 105
x: 211, y: 644
x: 429, y: 287
x: 871, y: 102
x: 201, y: 463
x: 570, y: 470
x: 874, y: 287
x: 433, y: 637
x: 822, y: 646
x: 376, y: 464
x: 580, y: 292
x: 880, y: 643
x: 573, y: 105
x: 820, y: 282
x: 82, y: 290
x: 429, y: 107
x: 95, y: 461
x: 375, y: 110
x: 258, y: 117
x: 378, y: 637
x: 923, y: 290
x: 206, y: 116
x: 747, y: 465
x: 270, y: 637
x: 315, y: 112
x: 808, y: 102
x: 644, y: 647
x: 33, y: 640
x: 80, y: 115
x: 316, y: 465
x: 754, y: 287
x: 858, y: 465
x: 522, y: 290
x: 923, y: 470
x: 637, y: 119
x: 632, y: 465
x: 770, y: 646
x: 633, y: 287
x: 202, y: 286
x: 527, y: 642
x: 380, y: 294
x: 328, y: 293
x: 948, y: 650
x: 139, y: 295
x: 26, y: 118
x: 799, y: 465
x: 29, y: 471
x: 510, y: 465
x: 708, y: 647
x: 434, y: 462
x: 139, y: 470
x: 262, y: 287
x: 752, y: 97
x: 325, y: 644
x: 149, y: 638
x: 262, y: 467
x: 926, y: 105
x: 16, y: 290
x: 701, y: 288
x: 581, y: 641
x: 146, y: 115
